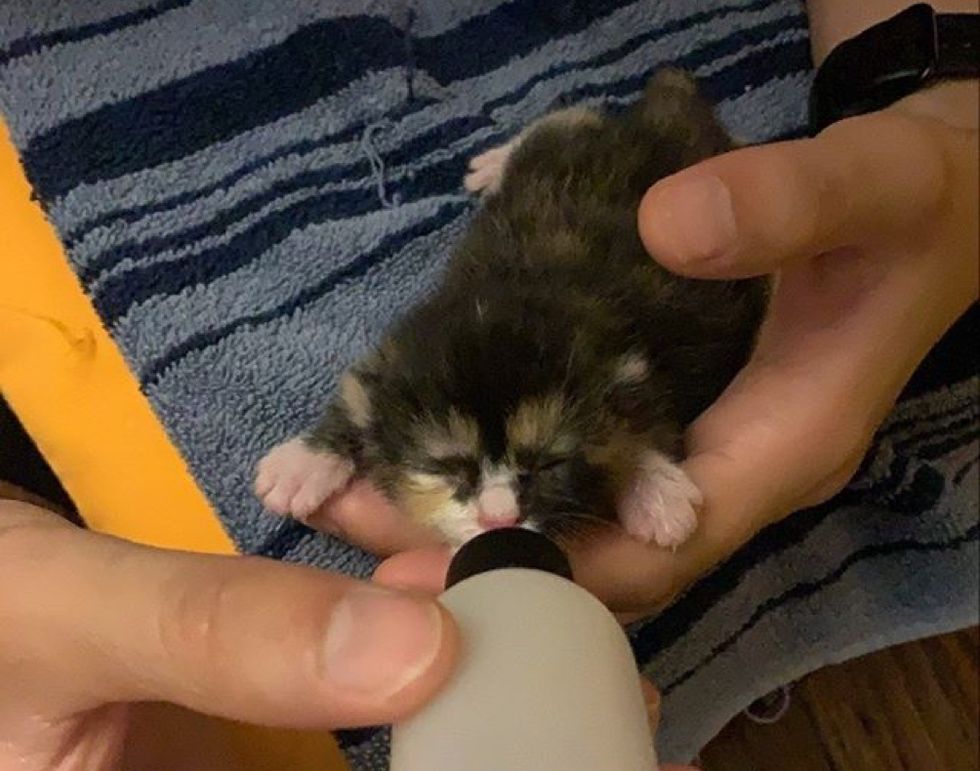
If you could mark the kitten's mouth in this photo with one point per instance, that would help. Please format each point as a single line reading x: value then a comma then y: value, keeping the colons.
x: 495, y: 523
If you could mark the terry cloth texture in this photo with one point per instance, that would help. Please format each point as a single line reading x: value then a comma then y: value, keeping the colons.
x: 250, y: 191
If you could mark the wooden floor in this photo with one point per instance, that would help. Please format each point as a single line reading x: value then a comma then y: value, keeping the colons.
x: 911, y: 707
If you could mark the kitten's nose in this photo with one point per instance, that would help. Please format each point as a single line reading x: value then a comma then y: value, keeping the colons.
x: 497, y: 507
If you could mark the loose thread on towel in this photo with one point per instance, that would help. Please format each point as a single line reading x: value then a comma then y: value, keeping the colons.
x: 377, y: 164
x: 409, y: 53
x: 82, y: 342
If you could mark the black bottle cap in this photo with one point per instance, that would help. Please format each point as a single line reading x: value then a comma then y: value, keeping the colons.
x: 508, y: 547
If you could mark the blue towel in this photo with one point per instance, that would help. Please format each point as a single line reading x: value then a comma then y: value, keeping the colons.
x: 251, y: 190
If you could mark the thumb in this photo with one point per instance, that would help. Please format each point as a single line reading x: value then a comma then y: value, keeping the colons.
x: 751, y: 211
x: 242, y: 638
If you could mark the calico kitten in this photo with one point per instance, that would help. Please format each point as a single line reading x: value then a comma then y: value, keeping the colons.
x: 548, y: 381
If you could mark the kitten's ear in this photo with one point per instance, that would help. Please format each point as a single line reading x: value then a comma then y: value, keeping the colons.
x: 673, y: 108
x: 381, y: 359
x: 355, y: 398
x: 357, y: 383
x: 633, y: 369
x: 637, y: 398
x: 628, y: 386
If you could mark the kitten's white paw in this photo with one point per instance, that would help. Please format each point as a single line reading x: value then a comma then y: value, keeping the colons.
x: 662, y: 503
x: 294, y: 480
x: 487, y: 170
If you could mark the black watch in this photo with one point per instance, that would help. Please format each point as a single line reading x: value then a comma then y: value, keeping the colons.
x: 893, y: 59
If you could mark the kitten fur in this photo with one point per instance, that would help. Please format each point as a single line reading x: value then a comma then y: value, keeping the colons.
x: 549, y: 379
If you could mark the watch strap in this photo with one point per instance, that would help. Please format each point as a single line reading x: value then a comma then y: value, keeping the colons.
x: 892, y: 59
x: 958, y: 45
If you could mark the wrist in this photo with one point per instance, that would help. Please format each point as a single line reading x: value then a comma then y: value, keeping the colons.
x: 834, y: 21
x: 955, y: 103
x: 917, y: 57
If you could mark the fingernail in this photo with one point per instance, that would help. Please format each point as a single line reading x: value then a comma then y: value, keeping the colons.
x: 693, y: 217
x: 380, y: 641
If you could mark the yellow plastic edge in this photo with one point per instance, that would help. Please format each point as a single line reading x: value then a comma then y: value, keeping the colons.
x: 69, y: 385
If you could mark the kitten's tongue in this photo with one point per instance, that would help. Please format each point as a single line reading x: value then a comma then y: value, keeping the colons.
x: 494, y: 523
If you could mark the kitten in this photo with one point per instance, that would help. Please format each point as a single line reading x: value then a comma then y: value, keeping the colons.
x: 548, y: 381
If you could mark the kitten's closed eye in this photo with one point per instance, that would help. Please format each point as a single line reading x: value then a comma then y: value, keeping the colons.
x: 545, y: 469
x: 551, y: 469
x: 461, y: 473
x: 531, y: 461
x: 552, y: 464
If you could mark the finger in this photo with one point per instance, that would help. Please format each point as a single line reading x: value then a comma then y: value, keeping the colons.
x: 421, y: 570
x: 635, y: 579
x: 753, y: 210
x: 249, y: 639
x: 364, y: 516
x: 651, y: 697
x: 747, y: 457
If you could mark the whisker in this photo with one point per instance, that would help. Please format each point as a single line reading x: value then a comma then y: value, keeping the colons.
x: 577, y: 516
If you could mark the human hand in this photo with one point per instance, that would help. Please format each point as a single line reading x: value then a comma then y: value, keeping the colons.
x: 92, y: 627
x: 871, y: 232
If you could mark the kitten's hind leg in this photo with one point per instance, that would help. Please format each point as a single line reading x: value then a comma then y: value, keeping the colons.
x: 661, y: 504
x: 486, y: 171
x: 295, y: 479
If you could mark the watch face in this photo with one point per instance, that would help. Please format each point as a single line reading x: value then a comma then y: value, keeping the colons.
x: 881, y: 65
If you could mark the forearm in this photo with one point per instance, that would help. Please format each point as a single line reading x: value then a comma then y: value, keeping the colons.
x: 832, y: 21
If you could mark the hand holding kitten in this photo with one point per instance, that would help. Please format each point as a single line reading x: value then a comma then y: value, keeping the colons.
x: 872, y: 230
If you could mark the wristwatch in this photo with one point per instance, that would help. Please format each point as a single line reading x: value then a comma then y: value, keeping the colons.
x: 897, y: 57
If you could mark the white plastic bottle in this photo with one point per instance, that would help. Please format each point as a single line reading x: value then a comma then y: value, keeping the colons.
x: 546, y: 680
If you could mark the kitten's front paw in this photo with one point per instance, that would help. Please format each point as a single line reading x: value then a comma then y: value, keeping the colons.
x: 294, y: 479
x: 662, y: 503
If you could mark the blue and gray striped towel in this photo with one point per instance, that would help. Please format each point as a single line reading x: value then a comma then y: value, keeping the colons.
x: 251, y: 190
